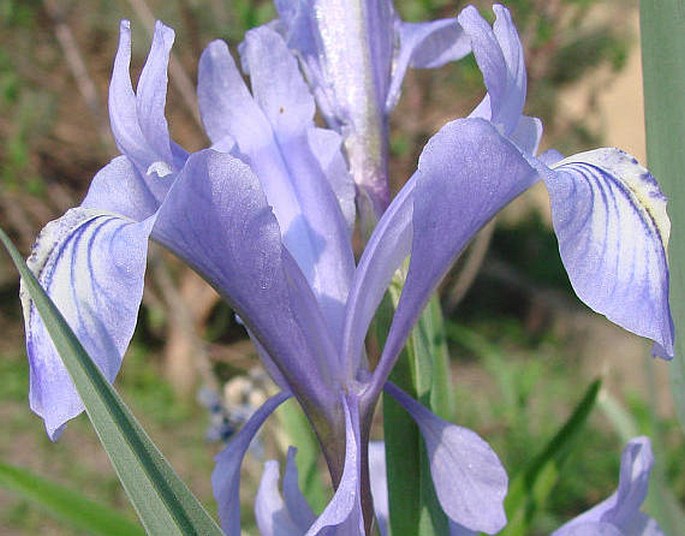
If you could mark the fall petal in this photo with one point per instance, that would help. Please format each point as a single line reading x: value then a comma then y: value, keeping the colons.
x: 610, y: 218
x: 91, y: 263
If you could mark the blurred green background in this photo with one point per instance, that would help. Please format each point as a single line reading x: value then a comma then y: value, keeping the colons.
x: 523, y: 348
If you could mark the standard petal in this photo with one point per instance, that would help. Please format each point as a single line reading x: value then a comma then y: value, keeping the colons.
x: 277, y: 84
x: 622, y: 509
x: 327, y: 148
x: 137, y: 122
x: 318, y: 237
x: 425, y: 45
x: 151, y: 94
x: 467, y: 173
x: 610, y: 218
x: 91, y: 264
x: 469, y: 479
x: 123, y: 115
x: 226, y: 106
x: 273, y: 133
x: 344, y: 512
x: 217, y: 219
x: 226, y: 474
x: 499, y: 55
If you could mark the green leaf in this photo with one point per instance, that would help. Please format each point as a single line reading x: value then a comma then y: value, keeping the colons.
x: 163, y: 502
x: 529, y: 489
x: 422, y: 371
x: 662, y: 24
x: 66, y: 504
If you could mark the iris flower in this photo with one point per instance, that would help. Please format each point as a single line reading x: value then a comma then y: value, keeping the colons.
x: 620, y: 513
x: 265, y: 216
x: 617, y: 515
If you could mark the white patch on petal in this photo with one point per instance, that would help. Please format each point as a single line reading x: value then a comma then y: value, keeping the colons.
x: 40, y: 260
x: 647, y: 195
x: 160, y: 168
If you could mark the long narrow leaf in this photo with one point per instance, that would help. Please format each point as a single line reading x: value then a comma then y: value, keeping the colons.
x: 66, y: 504
x: 423, y: 372
x: 163, y: 502
x: 530, y: 489
x: 663, y: 59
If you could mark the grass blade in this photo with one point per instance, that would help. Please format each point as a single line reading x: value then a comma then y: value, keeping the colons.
x: 163, y: 502
x: 66, y: 504
x: 529, y: 490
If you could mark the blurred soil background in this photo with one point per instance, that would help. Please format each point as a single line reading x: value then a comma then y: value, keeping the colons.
x: 523, y: 347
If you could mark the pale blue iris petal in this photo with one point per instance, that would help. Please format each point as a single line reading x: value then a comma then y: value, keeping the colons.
x: 343, y: 514
x: 272, y: 133
x: 467, y: 173
x: 268, y: 363
x: 295, y: 501
x: 138, y: 123
x: 273, y: 518
x: 499, y: 55
x: 226, y: 474
x: 326, y: 145
x: 319, y: 239
x: 384, y: 253
x: 91, y: 263
x: 425, y: 45
x: 217, y: 219
x: 379, y: 485
x: 151, y: 93
x: 527, y: 134
x: 276, y: 517
x: 300, y: 33
x: 455, y: 529
x: 123, y: 115
x: 277, y: 85
x: 621, y: 511
x: 469, y: 479
x: 120, y: 189
x: 226, y: 106
x: 610, y: 218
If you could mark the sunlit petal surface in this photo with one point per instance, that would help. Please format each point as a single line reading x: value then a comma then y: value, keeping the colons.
x: 91, y: 264
x: 469, y: 479
x: 138, y: 124
x: 499, y: 54
x: 217, y: 219
x: 610, y: 218
x: 300, y: 169
x: 467, y: 173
